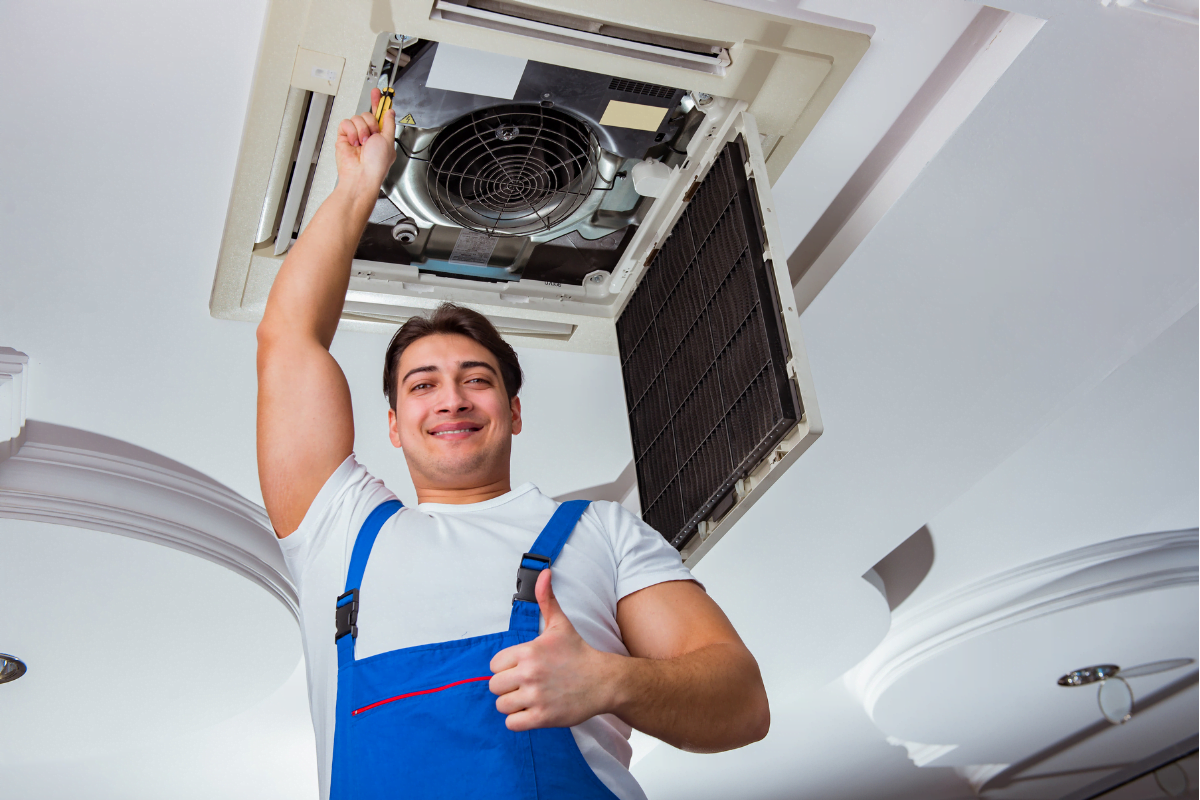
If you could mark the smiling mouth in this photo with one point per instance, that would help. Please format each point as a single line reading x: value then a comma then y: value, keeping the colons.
x: 454, y: 431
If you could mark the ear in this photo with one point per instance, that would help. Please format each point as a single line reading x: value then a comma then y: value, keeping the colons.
x: 515, y: 403
x: 393, y: 431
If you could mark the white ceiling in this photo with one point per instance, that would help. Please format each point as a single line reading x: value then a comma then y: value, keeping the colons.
x: 1008, y: 358
x: 127, y: 643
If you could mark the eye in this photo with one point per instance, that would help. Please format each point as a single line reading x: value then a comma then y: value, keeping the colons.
x: 418, y: 386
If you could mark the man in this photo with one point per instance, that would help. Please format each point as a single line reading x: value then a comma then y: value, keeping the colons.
x: 439, y: 684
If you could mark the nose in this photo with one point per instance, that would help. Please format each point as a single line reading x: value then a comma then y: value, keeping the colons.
x: 453, y: 400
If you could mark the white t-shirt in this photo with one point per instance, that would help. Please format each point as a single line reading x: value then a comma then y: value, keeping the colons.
x: 443, y: 572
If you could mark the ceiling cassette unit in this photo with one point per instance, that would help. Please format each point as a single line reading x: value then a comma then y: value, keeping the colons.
x: 595, y: 181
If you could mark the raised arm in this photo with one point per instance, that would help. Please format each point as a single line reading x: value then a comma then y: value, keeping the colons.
x: 305, y: 423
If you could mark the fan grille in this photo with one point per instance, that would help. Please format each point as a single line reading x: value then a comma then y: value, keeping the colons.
x: 513, y: 170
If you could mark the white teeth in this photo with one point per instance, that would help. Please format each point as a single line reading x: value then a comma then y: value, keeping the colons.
x: 462, y: 430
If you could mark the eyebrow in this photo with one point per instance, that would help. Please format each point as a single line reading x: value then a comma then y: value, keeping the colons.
x: 462, y: 365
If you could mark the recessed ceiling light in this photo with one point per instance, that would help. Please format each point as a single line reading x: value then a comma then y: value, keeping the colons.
x: 1082, y: 677
x: 1115, y: 696
x: 11, y: 668
x: 1116, y: 701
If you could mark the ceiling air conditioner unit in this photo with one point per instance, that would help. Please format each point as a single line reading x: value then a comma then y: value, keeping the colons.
x: 596, y: 181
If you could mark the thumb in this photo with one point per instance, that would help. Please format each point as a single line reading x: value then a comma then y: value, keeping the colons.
x: 544, y: 592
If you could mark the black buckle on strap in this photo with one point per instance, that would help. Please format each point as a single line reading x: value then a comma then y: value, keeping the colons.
x: 347, y: 615
x: 527, y: 578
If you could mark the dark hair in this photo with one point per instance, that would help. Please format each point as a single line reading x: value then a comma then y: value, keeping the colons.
x: 449, y: 318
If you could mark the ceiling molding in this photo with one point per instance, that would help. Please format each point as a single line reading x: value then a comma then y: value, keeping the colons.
x: 1092, y: 574
x: 921, y: 754
x: 1139, y: 769
x: 986, y: 49
x: 1181, y: 12
x: 70, y: 477
x: 14, y: 400
x: 977, y: 775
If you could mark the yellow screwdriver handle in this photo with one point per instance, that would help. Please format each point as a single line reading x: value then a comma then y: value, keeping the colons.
x: 385, y: 105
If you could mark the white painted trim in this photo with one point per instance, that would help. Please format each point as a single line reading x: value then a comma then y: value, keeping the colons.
x: 921, y: 754
x: 120, y: 489
x: 1157, y: 9
x: 977, y: 775
x: 14, y: 400
x: 1033, y: 590
x: 981, y: 55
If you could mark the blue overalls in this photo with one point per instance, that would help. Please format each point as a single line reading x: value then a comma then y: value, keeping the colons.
x: 420, y: 722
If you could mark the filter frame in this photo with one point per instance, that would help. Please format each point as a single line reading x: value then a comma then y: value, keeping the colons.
x: 689, y: 287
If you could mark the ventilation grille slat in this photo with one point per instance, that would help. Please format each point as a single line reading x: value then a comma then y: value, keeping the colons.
x: 637, y: 87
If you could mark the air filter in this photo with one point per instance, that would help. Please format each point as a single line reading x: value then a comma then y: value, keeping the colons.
x: 704, y: 355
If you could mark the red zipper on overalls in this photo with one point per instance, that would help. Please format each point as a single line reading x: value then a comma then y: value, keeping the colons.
x: 414, y: 694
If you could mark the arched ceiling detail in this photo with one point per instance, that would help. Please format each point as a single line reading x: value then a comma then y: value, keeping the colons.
x: 71, y: 477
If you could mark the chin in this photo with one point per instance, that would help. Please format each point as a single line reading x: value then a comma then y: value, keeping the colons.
x: 452, y: 467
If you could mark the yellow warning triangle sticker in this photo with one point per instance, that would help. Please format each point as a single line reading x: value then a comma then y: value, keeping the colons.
x: 408, y: 120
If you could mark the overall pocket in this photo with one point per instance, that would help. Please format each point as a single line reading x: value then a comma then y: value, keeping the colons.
x: 447, y: 741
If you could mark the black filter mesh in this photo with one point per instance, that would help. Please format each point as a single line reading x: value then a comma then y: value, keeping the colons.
x: 704, y: 356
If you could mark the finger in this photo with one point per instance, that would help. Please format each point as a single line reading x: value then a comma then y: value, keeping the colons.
x: 347, y: 131
x: 389, y: 122
x: 504, y: 682
x: 512, y: 702
x: 361, y: 127
x: 506, y: 658
x: 375, y: 95
x: 547, y: 602
x: 523, y: 721
x: 371, y: 123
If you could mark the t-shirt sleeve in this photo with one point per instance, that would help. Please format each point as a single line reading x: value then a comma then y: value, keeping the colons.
x: 644, y: 558
x: 333, y: 519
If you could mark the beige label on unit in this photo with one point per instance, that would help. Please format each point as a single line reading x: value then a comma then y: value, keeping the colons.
x: 633, y: 115
x: 317, y: 72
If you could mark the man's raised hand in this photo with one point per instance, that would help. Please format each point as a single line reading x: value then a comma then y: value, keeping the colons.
x: 363, y: 154
x: 555, y: 681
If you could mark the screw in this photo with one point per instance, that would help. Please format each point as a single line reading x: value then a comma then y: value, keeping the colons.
x: 597, y: 279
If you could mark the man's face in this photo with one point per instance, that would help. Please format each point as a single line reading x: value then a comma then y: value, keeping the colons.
x: 453, y: 417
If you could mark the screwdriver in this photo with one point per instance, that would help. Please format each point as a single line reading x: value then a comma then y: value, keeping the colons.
x: 388, y: 91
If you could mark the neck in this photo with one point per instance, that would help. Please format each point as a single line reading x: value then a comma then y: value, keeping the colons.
x: 462, y: 495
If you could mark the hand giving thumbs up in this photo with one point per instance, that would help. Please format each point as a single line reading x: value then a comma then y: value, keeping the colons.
x: 556, y: 680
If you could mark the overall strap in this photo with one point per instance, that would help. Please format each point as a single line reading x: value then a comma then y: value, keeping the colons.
x: 347, y: 604
x: 546, y: 549
x: 525, y: 615
x: 552, y: 538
